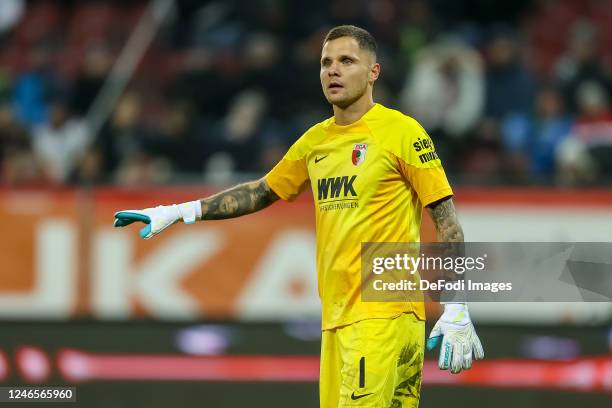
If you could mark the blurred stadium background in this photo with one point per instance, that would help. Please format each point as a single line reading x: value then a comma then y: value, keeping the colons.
x: 107, y: 105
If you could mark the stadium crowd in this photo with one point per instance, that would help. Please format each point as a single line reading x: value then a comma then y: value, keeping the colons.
x: 227, y: 86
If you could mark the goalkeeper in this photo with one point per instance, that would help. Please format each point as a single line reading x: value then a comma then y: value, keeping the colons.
x: 372, y: 170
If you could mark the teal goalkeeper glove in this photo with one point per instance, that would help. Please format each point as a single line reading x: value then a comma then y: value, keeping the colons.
x: 160, y: 217
x: 459, y: 339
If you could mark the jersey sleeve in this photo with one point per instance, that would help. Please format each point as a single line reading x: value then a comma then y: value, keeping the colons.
x: 419, y: 163
x: 290, y: 175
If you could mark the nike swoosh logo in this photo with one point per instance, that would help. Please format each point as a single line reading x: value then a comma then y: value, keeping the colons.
x: 356, y: 397
x: 318, y: 159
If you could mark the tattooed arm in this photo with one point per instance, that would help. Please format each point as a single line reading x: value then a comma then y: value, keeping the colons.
x: 454, y: 329
x: 448, y: 229
x: 445, y: 219
x: 449, y: 234
x: 240, y: 200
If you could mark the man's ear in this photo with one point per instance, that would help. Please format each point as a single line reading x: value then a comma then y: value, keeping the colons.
x: 374, y: 72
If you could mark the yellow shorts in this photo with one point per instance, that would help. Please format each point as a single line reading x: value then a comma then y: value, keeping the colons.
x: 373, y: 363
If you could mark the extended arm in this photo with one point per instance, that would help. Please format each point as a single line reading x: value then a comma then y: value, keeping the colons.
x: 240, y: 200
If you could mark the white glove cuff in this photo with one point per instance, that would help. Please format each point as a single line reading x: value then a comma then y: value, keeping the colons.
x: 455, y: 306
x: 190, y: 212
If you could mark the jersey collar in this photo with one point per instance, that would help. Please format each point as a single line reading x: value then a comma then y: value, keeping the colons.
x: 359, y: 126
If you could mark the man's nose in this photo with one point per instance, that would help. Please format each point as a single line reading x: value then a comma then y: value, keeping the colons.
x: 333, y: 70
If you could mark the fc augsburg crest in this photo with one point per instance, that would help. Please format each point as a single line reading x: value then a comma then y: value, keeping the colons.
x: 359, y: 153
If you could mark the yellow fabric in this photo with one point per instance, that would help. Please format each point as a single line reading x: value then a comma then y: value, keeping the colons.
x: 392, y: 352
x: 379, y: 199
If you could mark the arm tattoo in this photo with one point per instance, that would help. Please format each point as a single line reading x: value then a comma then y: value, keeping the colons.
x: 240, y: 200
x: 449, y: 231
x: 445, y: 219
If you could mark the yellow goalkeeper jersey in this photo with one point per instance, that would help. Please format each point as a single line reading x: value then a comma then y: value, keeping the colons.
x: 370, y: 181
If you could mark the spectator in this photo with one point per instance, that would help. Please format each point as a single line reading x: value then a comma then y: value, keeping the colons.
x: 241, y: 130
x: 509, y: 84
x: 98, y: 62
x: 481, y: 159
x: 587, y: 152
x: 18, y: 164
x: 11, y: 12
x: 89, y: 169
x: 582, y: 63
x: 209, y: 79
x: 123, y: 138
x: 142, y: 169
x: 60, y: 144
x: 550, y: 127
x: 418, y: 27
x: 247, y: 85
x: 445, y: 90
x: 261, y: 58
x: 35, y: 88
x: 126, y: 149
x: 530, y: 141
x: 179, y: 141
x: 306, y: 103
